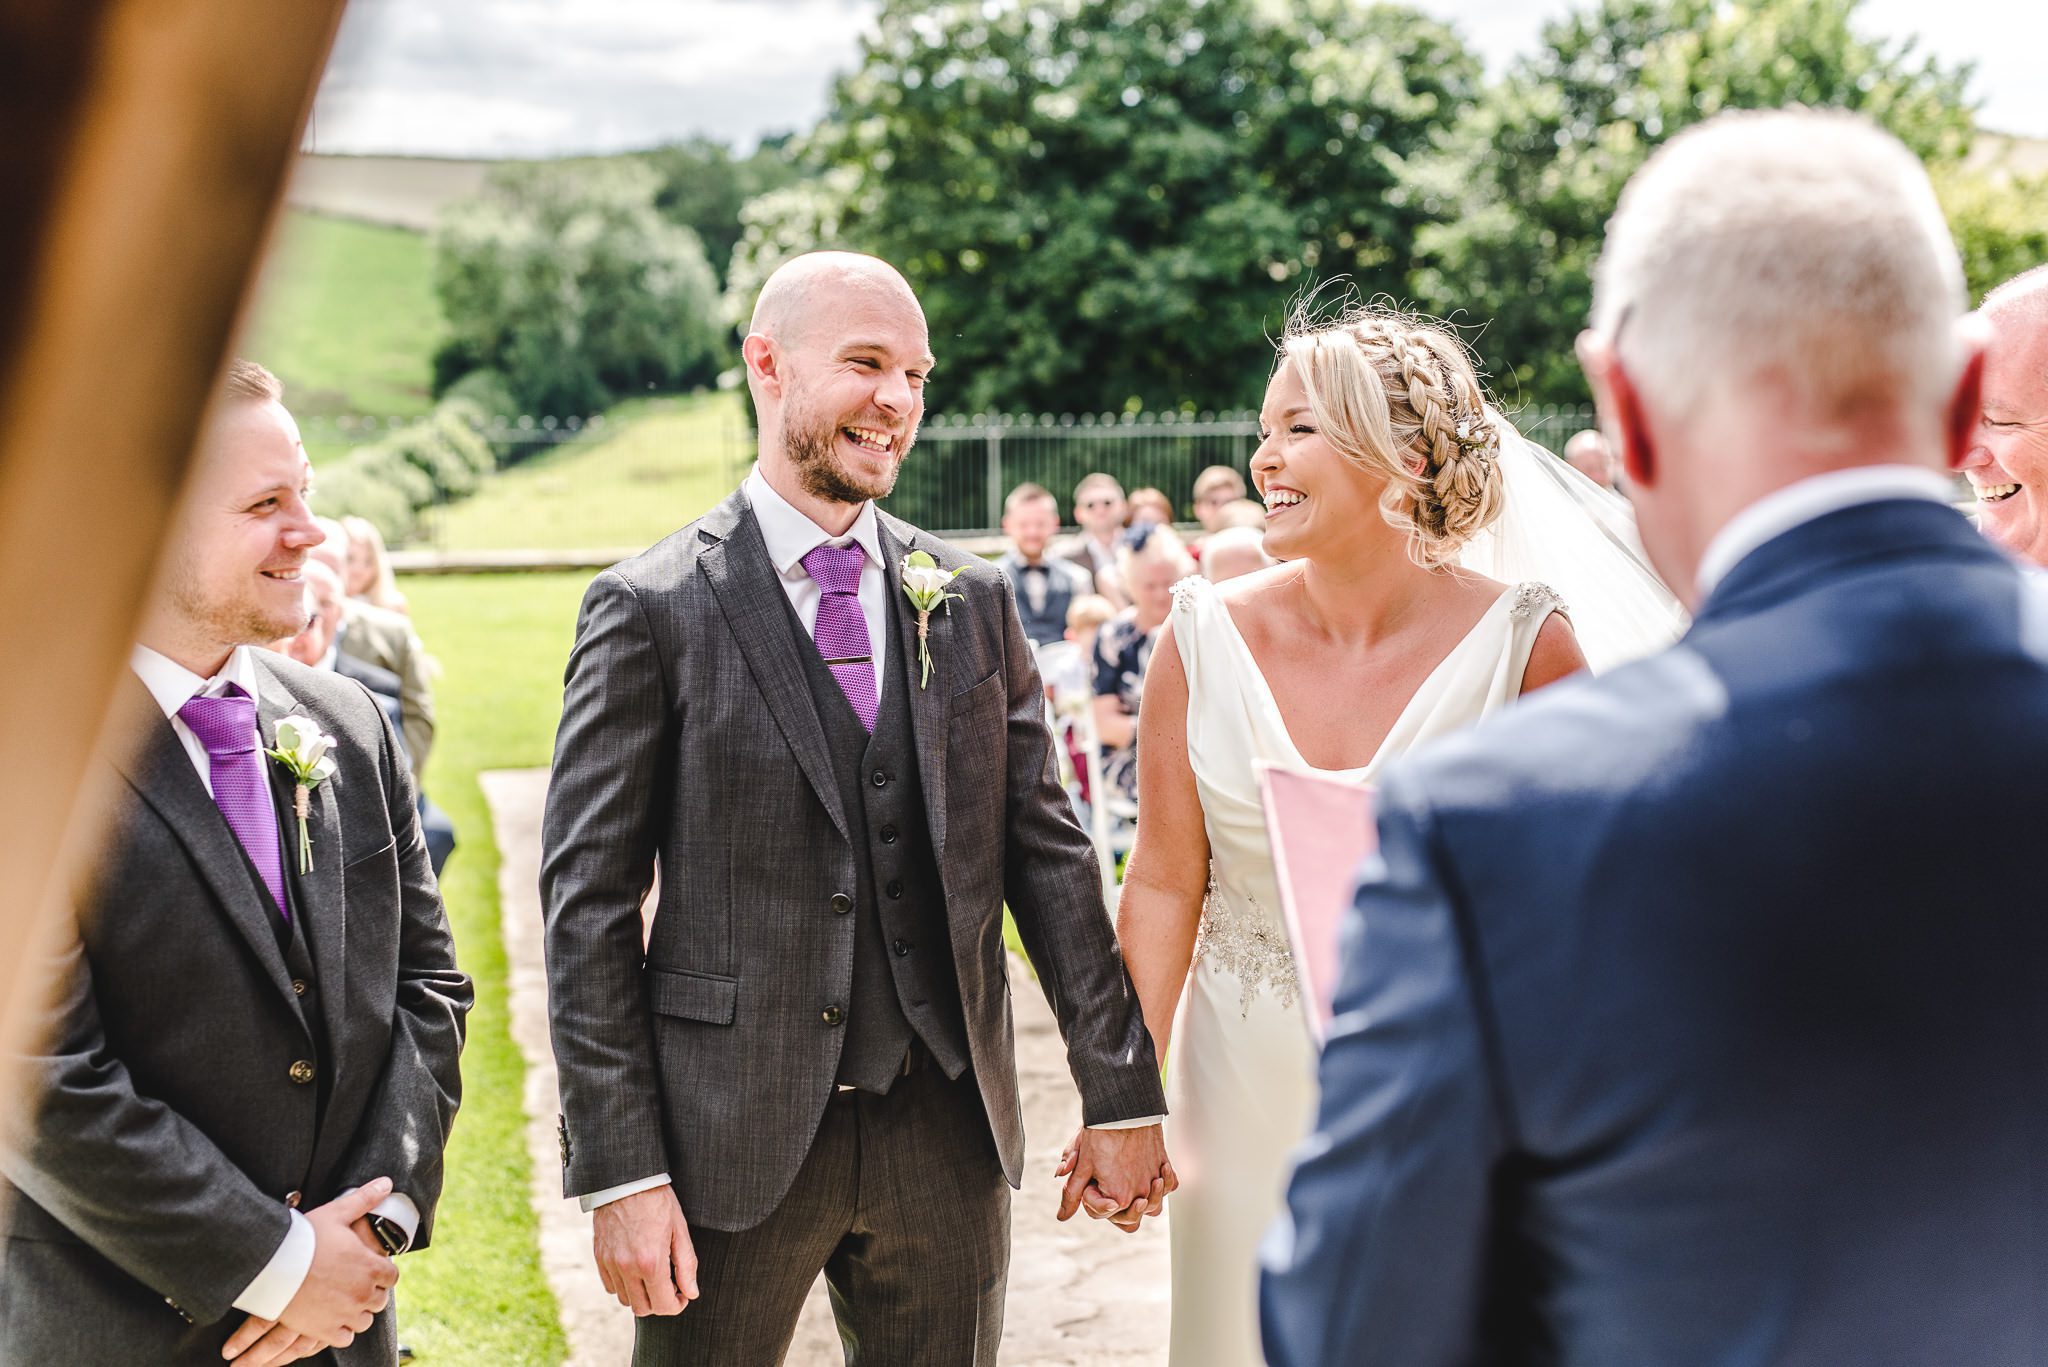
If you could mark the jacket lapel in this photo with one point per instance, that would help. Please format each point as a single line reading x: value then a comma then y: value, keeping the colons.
x: 320, y: 900
x: 928, y: 705
x: 162, y: 774
x: 749, y: 593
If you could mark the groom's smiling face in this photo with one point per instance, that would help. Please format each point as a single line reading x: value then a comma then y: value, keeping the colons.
x: 853, y: 389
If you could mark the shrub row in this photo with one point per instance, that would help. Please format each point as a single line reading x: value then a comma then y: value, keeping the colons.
x: 442, y: 456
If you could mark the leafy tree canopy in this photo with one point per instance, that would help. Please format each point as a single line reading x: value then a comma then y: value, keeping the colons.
x: 566, y: 280
x: 1524, y: 192
x: 1107, y: 204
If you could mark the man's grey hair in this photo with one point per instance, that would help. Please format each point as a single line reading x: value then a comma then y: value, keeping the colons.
x: 1795, y: 246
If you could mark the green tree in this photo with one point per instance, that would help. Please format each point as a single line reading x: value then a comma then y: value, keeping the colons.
x: 1999, y: 218
x: 1525, y: 191
x: 567, y: 281
x: 1107, y: 204
x: 703, y: 186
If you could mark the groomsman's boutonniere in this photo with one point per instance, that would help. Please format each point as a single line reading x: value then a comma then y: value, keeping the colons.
x: 303, y: 750
x: 925, y: 584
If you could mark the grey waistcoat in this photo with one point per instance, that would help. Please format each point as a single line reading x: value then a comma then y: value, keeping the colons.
x: 904, y: 982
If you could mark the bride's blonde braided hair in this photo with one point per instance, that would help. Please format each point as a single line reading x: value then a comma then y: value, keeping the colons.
x: 1399, y: 396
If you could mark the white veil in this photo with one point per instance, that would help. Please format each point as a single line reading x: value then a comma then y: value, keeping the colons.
x: 1560, y: 528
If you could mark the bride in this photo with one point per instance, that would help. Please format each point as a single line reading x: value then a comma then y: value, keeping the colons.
x: 1386, y: 478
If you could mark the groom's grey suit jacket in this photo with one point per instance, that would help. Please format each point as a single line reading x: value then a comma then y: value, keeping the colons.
x: 202, y: 1066
x: 689, y: 739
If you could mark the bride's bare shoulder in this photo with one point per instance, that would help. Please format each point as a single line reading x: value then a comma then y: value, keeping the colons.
x: 1252, y: 591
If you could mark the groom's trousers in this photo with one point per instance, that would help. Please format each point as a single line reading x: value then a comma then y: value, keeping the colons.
x: 902, y: 1204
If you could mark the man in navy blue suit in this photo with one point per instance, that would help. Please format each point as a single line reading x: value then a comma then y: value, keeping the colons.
x: 1698, y: 1014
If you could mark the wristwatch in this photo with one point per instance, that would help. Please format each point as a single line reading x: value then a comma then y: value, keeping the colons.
x: 390, y: 1234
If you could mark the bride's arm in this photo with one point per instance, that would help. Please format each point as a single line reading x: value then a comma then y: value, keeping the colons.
x: 1168, y: 871
x: 1555, y: 654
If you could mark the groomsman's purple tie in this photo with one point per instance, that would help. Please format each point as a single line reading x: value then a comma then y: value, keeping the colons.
x: 842, y: 630
x: 226, y: 726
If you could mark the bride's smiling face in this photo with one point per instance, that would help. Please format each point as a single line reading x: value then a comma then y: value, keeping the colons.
x: 1314, y: 495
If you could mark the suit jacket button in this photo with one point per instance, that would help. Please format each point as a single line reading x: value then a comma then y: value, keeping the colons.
x: 895, y: 888
x: 901, y: 949
x: 292, y: 1199
x: 888, y: 835
x: 298, y: 987
x: 879, y: 779
x: 302, y: 1072
x: 832, y: 1015
x: 841, y: 903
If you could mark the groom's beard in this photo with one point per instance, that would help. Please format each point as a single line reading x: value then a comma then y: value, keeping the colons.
x: 813, y: 447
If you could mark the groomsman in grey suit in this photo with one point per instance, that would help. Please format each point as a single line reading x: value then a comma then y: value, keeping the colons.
x: 248, y: 1070
x: 809, y: 1066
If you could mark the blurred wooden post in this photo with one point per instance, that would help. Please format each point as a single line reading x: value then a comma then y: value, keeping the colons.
x: 147, y: 145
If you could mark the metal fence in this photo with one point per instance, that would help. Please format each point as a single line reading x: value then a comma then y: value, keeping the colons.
x: 955, y: 480
x: 963, y: 466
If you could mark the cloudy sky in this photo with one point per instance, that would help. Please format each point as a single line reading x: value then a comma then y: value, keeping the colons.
x: 542, y: 77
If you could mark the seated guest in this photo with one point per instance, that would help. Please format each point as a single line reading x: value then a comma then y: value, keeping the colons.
x: 1216, y: 488
x: 1588, y: 453
x: 384, y: 638
x: 369, y: 568
x: 1124, y: 647
x: 1044, y: 586
x: 1234, y: 551
x: 2007, y: 464
x: 1068, y: 665
x: 318, y: 647
x: 1147, y: 507
x: 1242, y: 512
x: 245, y: 1075
x: 1099, y: 509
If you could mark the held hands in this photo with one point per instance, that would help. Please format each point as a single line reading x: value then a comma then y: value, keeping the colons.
x: 1116, y: 1175
x: 644, y: 1254
x: 349, y: 1282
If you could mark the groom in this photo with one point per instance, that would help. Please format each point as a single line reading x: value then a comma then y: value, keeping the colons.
x: 810, y: 1064
x: 1697, y: 1014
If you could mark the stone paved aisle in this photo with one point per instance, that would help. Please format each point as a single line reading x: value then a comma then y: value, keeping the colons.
x: 1081, y: 1294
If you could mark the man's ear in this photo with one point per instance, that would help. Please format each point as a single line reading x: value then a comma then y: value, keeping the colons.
x: 1966, y: 400
x: 763, y: 365
x: 1621, y: 409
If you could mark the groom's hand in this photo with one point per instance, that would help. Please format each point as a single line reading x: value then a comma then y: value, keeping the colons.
x: 644, y: 1254
x: 1118, y: 1175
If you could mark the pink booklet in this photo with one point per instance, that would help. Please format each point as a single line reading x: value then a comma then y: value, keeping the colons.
x: 1319, y: 828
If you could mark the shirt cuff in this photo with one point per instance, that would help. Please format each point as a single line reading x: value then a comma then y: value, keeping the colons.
x: 283, y: 1275
x: 622, y: 1191
x: 399, y: 1210
x: 1140, y: 1123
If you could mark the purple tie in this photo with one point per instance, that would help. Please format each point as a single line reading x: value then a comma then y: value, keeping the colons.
x: 226, y: 726
x: 842, y: 630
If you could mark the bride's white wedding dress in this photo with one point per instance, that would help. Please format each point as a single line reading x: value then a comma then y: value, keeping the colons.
x: 1241, y: 1071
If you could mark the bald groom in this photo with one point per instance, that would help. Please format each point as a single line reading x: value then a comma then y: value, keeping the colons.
x: 810, y: 1065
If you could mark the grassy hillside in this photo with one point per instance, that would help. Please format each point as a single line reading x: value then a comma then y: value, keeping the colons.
x: 346, y: 316
x: 670, y: 460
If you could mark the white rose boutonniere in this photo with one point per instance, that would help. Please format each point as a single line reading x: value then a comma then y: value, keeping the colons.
x: 302, y: 749
x: 925, y: 584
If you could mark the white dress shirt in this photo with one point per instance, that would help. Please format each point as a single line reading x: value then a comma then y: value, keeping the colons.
x: 791, y: 535
x: 1795, y: 505
x: 172, y: 686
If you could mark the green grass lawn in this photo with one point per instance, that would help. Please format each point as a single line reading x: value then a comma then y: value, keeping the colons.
x: 477, y: 1297
x: 346, y: 316
x: 668, y: 461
